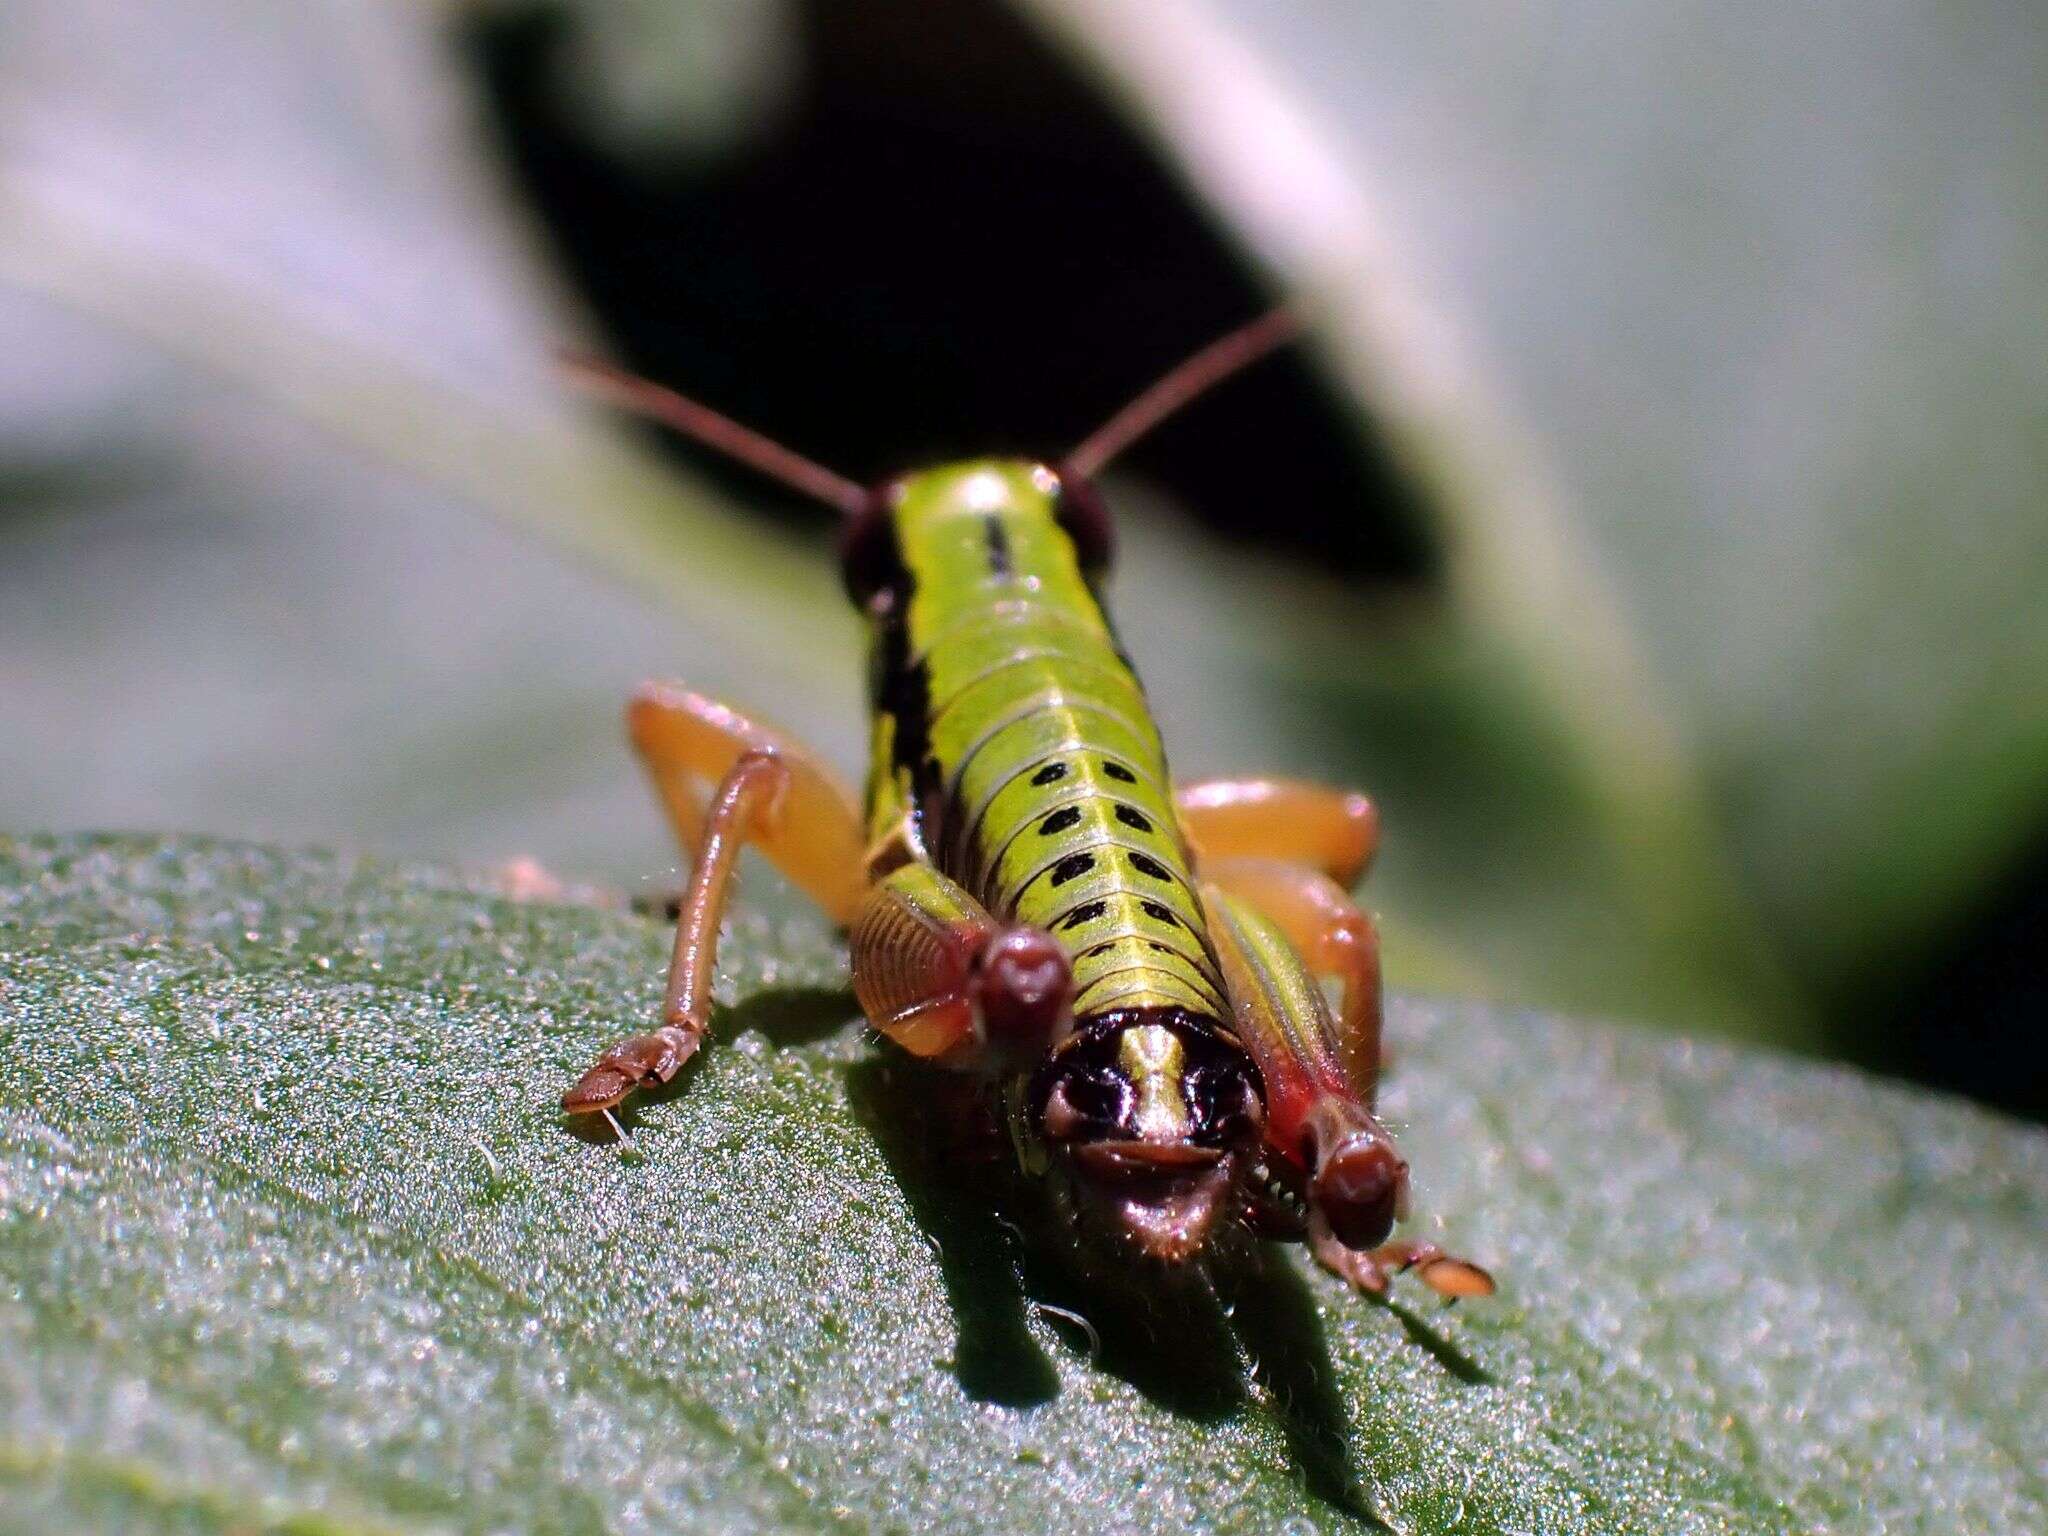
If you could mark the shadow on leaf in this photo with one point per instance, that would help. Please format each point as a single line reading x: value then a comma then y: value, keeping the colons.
x: 922, y: 1124
x: 1194, y: 1347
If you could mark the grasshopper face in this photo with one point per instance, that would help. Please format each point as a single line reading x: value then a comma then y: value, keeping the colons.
x: 1151, y: 1124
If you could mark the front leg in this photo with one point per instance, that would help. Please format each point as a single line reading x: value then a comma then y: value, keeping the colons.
x: 1450, y: 1277
x: 943, y: 979
x: 1321, y: 1135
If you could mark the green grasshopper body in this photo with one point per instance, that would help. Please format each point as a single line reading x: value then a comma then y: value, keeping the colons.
x: 1132, y: 970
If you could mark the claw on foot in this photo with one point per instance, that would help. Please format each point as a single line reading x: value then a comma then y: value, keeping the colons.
x: 1367, y: 1269
x: 1361, y: 1267
x: 1455, y: 1279
x: 650, y: 1058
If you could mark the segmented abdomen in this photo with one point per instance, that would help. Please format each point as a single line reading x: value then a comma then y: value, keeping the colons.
x: 1053, y: 803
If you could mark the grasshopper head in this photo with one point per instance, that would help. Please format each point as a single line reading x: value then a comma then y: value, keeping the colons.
x: 1151, y: 1122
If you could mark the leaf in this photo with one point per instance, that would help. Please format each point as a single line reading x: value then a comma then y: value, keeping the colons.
x: 1717, y: 341
x: 292, y: 1237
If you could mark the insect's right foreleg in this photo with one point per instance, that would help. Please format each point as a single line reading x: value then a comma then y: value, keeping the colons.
x: 937, y: 974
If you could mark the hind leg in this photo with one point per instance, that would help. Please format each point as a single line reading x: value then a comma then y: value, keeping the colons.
x: 689, y: 742
x: 765, y: 790
x: 1331, y: 830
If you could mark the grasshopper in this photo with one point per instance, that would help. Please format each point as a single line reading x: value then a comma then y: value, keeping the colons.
x: 1134, y: 970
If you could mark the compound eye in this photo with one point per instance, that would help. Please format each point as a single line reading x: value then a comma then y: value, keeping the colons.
x: 1227, y: 1104
x: 1248, y: 1111
x: 1085, y: 519
x: 1084, y: 1105
x: 868, y: 558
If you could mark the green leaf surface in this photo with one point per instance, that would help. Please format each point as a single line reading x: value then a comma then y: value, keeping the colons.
x: 292, y: 1237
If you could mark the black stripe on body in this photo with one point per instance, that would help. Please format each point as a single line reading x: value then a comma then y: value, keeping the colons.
x: 998, y: 539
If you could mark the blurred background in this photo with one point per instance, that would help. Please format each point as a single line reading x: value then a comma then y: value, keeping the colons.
x: 1656, y: 520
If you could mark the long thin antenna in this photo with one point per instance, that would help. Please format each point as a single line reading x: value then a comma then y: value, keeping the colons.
x: 1206, y: 369
x: 701, y: 424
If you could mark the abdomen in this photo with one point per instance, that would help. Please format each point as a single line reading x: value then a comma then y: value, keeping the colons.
x: 1047, y: 795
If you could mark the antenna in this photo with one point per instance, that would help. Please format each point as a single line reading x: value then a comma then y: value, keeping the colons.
x: 1209, y: 367
x: 721, y: 434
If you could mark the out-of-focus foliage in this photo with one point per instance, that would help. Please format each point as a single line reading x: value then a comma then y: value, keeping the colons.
x: 1715, y: 342
x: 291, y: 1237
x: 273, y: 343
x: 1722, y: 335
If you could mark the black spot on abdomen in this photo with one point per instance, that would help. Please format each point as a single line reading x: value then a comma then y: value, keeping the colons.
x: 1060, y: 821
x: 1084, y: 914
x: 1145, y: 864
x: 1072, y: 867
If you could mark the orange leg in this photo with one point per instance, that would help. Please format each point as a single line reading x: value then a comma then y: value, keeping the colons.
x: 744, y: 801
x: 1449, y: 1276
x: 769, y: 791
x: 1332, y: 936
x: 943, y: 979
x: 689, y: 743
x: 1286, y: 820
x: 1321, y: 1134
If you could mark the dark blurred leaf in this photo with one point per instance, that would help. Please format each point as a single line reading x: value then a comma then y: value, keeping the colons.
x: 289, y: 1224
x: 1721, y: 339
x: 269, y: 344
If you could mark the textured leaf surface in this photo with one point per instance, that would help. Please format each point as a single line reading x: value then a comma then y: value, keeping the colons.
x: 291, y: 1236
